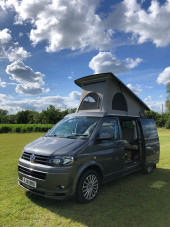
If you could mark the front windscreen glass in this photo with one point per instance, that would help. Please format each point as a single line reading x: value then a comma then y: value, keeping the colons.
x: 76, y: 127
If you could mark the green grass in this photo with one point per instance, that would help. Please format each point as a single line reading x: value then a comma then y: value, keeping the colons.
x: 135, y: 200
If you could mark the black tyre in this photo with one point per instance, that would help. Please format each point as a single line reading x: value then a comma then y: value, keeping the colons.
x: 88, y: 186
x: 148, y: 169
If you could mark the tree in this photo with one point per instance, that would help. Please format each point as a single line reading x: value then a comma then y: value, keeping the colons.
x: 12, y: 119
x: 3, y: 116
x: 50, y: 115
x: 152, y: 114
x: 37, y: 118
x: 3, y: 112
x: 168, y: 97
x: 72, y: 110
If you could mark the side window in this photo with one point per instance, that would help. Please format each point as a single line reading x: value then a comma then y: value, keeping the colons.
x: 109, y: 129
x: 145, y: 127
x: 153, y: 127
x: 149, y: 128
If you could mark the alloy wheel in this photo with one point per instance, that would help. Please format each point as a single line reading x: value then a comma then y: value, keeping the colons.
x: 90, y: 187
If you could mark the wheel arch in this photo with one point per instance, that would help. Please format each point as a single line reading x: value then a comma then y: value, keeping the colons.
x: 92, y: 165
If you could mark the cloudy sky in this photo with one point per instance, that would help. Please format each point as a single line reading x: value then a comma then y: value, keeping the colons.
x: 45, y: 45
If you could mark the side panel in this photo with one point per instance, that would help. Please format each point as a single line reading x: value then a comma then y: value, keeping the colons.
x: 150, y: 141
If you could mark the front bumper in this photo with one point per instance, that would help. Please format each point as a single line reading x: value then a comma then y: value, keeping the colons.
x: 52, y: 182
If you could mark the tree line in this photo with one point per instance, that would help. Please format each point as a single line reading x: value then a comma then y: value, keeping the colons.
x: 52, y: 115
x: 162, y: 120
x: 49, y: 116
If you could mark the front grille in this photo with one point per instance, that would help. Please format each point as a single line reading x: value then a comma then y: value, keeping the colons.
x: 41, y: 159
x: 32, y: 173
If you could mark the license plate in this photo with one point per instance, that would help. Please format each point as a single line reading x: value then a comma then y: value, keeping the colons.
x: 29, y: 182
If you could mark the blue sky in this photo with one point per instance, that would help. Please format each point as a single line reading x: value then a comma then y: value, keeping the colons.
x: 45, y: 45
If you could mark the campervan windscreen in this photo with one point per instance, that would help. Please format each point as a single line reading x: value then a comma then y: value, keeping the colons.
x: 74, y: 127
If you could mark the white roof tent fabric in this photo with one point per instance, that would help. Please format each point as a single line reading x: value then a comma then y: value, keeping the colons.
x: 106, y: 93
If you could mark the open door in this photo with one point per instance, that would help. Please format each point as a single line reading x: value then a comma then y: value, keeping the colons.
x: 150, y: 141
x: 130, y: 141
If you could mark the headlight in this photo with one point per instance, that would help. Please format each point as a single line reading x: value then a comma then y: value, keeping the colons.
x: 61, y: 161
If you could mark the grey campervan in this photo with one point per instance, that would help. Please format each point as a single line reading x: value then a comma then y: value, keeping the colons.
x: 108, y: 137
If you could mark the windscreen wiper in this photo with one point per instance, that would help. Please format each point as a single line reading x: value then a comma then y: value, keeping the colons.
x: 74, y: 135
x: 55, y: 136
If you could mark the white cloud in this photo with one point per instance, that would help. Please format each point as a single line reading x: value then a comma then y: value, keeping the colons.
x: 22, y: 73
x: 2, y: 97
x: 161, y: 96
x: 10, y: 50
x: 145, y: 25
x: 75, y: 95
x: 5, y: 36
x: 17, y: 54
x: 148, y: 87
x: 3, y: 14
x: 164, y: 77
x: 21, y: 34
x: 107, y: 62
x: 137, y: 90
x: 154, y: 105
x: 149, y: 98
x: 30, y: 89
x: 71, y: 76
x: 2, y: 84
x: 75, y: 24
x: 63, y: 24
x: 38, y: 104
x: 133, y: 63
x: 30, y: 82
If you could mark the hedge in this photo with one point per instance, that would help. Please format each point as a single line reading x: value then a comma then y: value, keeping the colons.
x: 22, y: 128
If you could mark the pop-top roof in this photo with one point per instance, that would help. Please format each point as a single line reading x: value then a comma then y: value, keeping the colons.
x: 98, y: 78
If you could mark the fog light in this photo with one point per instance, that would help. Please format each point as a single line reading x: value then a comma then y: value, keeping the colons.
x: 60, y: 187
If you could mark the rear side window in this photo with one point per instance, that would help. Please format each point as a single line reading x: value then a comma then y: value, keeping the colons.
x: 149, y: 128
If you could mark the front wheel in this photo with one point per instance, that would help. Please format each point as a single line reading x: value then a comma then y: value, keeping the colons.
x: 88, y: 186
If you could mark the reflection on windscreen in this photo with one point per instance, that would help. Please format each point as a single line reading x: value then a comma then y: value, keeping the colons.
x: 77, y: 127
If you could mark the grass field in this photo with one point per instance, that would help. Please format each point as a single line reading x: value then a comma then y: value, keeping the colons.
x: 135, y: 200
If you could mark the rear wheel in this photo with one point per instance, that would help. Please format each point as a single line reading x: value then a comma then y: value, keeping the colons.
x: 88, y: 186
x: 148, y: 169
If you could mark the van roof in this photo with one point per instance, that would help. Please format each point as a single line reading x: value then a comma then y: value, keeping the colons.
x: 97, y: 114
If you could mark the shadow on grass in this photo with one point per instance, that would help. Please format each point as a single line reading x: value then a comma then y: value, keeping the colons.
x: 134, y: 200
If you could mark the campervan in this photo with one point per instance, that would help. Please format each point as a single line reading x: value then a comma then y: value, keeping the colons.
x: 108, y: 137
